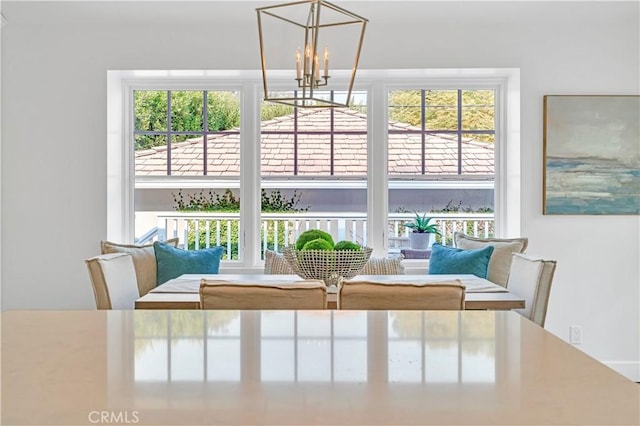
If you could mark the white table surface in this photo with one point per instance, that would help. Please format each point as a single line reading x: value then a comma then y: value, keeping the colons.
x: 190, y: 283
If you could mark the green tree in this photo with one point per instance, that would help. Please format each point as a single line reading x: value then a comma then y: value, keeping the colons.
x: 187, y: 114
x: 441, y: 110
x: 150, y: 113
x: 223, y: 111
x: 270, y: 110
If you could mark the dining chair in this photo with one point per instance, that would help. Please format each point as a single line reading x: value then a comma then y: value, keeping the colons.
x: 219, y: 294
x: 530, y: 278
x: 370, y: 295
x: 114, y: 282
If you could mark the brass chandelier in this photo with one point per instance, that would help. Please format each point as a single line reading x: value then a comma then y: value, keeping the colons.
x: 297, y: 32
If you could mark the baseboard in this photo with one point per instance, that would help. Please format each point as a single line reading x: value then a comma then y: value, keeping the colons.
x: 630, y: 370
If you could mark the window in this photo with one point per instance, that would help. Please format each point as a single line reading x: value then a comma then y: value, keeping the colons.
x: 316, y: 147
x: 329, y: 158
x: 441, y: 135
x: 175, y: 135
x: 315, y: 141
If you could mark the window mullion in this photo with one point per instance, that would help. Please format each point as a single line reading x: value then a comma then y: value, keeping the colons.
x: 205, y: 128
x: 332, y: 141
x: 169, y: 133
x: 423, y: 124
x: 377, y: 182
x: 249, y: 175
x: 295, y: 137
x: 459, y: 131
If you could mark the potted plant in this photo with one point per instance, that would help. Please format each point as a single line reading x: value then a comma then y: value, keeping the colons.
x: 422, y: 230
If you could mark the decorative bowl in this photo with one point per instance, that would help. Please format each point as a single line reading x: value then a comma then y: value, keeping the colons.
x: 329, y: 266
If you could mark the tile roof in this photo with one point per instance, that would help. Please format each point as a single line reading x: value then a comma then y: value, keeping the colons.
x: 350, y: 150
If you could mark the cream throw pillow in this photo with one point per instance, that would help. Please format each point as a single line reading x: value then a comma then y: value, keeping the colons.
x: 500, y: 261
x: 383, y: 266
x: 144, y: 261
x: 276, y: 264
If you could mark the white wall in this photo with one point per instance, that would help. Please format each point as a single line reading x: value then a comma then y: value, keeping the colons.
x: 54, y: 62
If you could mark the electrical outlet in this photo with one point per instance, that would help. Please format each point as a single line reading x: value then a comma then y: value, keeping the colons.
x: 575, y: 335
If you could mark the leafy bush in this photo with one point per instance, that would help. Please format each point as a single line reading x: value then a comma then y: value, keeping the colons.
x: 228, y: 230
x: 271, y: 202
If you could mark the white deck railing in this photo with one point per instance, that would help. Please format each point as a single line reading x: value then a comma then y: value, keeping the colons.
x: 206, y: 229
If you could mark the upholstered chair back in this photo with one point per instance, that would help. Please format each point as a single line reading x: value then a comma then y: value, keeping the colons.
x: 370, y: 295
x: 113, y: 278
x: 531, y: 278
x: 144, y: 261
x: 218, y: 294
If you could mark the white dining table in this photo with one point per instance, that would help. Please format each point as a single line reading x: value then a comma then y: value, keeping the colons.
x: 182, y: 292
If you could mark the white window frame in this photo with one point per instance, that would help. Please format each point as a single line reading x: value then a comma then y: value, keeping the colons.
x: 377, y: 84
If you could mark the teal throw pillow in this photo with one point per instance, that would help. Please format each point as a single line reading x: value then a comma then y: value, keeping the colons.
x: 173, y: 262
x: 450, y: 260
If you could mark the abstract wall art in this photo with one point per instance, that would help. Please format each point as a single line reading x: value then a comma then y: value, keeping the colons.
x: 591, y: 155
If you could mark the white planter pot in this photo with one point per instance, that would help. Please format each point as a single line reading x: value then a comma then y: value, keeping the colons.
x: 419, y: 240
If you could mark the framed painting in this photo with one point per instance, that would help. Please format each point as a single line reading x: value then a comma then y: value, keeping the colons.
x: 591, y: 155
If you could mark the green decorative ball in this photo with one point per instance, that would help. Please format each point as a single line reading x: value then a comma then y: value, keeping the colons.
x: 318, y: 244
x: 347, y: 245
x: 313, y: 234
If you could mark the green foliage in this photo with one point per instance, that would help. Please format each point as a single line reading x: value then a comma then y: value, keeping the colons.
x: 274, y: 201
x: 270, y: 226
x: 227, y: 202
x: 186, y: 111
x: 318, y: 244
x: 223, y: 110
x: 441, y: 111
x: 312, y: 234
x: 227, y: 229
x: 406, y: 106
x: 458, y: 208
x: 271, y: 110
x: 187, y: 114
x: 346, y: 245
x: 421, y: 225
x: 271, y: 202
